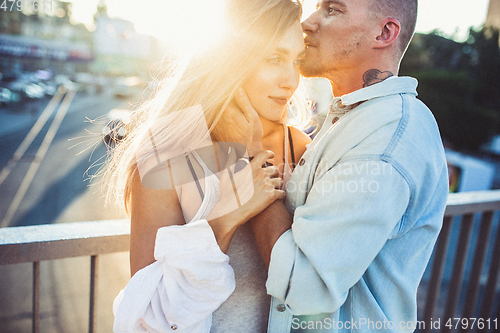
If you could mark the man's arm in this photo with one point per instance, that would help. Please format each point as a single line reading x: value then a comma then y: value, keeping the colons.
x: 268, y: 226
x: 336, y: 235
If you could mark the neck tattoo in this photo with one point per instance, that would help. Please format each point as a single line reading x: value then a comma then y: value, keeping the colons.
x: 373, y: 76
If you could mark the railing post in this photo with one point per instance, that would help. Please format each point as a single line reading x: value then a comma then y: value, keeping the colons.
x: 34, y: 244
x: 93, y: 293
x: 36, y: 297
x: 476, y: 272
x: 458, y: 267
x: 437, y: 272
x: 490, y: 290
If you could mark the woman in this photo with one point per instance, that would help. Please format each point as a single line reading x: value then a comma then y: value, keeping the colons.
x: 183, y: 212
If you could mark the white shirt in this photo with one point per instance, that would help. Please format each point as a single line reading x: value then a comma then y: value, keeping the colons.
x: 189, y: 281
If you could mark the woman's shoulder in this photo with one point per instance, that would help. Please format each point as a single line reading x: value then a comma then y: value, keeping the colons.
x: 153, y: 205
x: 300, y: 140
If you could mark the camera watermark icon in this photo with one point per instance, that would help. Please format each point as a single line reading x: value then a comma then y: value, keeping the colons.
x: 165, y: 162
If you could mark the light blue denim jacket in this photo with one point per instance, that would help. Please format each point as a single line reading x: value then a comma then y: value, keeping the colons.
x: 367, y: 200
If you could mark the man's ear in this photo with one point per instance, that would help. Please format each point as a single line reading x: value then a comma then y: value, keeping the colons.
x: 389, y: 33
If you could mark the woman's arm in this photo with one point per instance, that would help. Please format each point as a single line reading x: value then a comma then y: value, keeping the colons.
x: 172, y: 264
x: 151, y: 210
x: 256, y: 188
x: 184, y: 261
x: 275, y: 220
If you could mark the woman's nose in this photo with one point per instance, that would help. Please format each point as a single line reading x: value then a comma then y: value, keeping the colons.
x: 290, y: 78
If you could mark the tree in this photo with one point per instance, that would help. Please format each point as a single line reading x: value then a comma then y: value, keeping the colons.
x: 460, y: 83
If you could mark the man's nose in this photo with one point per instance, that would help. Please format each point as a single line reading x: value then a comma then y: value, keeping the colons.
x: 310, y: 25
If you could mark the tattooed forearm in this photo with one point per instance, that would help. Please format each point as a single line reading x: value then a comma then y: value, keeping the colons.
x: 373, y: 76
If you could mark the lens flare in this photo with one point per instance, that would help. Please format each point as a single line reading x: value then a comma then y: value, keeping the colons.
x: 193, y: 26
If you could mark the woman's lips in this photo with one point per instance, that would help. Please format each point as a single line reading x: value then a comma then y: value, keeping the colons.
x: 279, y: 100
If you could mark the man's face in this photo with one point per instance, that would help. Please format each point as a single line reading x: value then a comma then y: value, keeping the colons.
x: 337, y: 37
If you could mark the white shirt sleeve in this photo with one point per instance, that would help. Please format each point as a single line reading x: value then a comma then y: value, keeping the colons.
x: 179, y: 292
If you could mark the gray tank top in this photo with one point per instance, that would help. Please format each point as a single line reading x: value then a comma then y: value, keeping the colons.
x: 247, y: 309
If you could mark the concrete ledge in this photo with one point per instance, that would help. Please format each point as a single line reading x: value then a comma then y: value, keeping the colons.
x: 472, y: 202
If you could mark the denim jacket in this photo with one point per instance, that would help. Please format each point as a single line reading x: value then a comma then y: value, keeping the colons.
x: 367, y: 199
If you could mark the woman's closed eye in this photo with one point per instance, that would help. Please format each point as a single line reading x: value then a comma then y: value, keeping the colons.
x: 279, y: 61
x: 275, y: 60
x: 298, y: 61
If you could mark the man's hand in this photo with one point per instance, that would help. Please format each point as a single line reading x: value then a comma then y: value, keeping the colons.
x: 241, y: 123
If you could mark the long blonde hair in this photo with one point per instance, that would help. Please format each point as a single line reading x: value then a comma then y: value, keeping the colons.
x: 209, y: 79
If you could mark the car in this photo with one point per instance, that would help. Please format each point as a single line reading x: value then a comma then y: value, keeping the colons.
x: 34, y: 91
x: 116, y: 127
x: 467, y: 173
x: 66, y: 82
x: 125, y: 87
x: 26, y: 90
x: 5, y: 96
x: 84, y: 81
x: 48, y: 87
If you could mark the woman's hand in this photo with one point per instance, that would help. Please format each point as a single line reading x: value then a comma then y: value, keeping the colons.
x: 243, y: 195
x: 241, y: 124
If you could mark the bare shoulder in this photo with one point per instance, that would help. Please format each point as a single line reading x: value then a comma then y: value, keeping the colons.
x: 154, y: 207
x: 150, y: 210
x: 300, y: 140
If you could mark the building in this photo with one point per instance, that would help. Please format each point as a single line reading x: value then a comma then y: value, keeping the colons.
x: 44, y: 40
x: 118, y: 48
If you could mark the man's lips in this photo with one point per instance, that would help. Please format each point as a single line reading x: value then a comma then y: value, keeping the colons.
x: 309, y: 43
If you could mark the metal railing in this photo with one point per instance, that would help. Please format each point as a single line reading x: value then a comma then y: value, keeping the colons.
x: 58, y: 241
x: 462, y: 295
x: 64, y: 240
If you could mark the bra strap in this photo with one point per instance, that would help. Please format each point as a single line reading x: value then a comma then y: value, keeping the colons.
x: 290, y: 140
x: 193, y: 173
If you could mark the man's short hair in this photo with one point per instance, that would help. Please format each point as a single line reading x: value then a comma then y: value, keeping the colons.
x: 405, y: 11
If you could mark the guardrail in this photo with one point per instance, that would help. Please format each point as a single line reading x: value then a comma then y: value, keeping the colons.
x: 58, y: 241
x: 64, y: 240
x: 464, y: 209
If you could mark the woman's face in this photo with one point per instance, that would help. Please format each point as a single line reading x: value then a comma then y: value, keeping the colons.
x: 277, y: 78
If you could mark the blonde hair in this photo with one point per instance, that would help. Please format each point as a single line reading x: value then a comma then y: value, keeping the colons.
x: 209, y: 80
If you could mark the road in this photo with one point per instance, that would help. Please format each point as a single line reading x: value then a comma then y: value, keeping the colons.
x: 61, y: 192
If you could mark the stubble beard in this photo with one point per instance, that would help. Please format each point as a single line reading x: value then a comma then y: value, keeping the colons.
x: 316, y: 68
x: 311, y: 68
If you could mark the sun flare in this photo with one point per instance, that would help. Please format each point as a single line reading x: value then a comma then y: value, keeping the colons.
x: 194, y: 25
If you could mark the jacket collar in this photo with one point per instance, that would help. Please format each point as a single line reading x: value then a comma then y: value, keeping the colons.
x: 391, y: 86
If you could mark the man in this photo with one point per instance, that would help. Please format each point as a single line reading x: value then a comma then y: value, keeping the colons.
x: 347, y: 248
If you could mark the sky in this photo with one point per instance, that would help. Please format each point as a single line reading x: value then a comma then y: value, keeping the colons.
x: 451, y: 17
